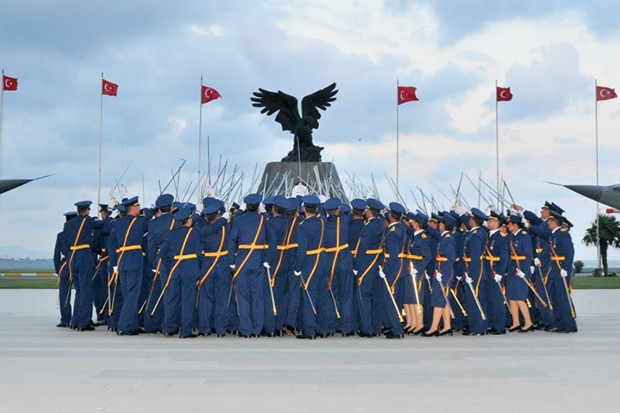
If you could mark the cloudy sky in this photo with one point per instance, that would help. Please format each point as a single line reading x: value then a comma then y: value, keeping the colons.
x: 550, y: 53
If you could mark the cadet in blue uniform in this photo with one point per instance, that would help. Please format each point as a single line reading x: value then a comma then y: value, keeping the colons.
x: 394, y: 246
x: 310, y: 268
x: 182, y: 252
x: 446, y: 254
x: 518, y: 274
x: 366, y: 268
x: 276, y: 283
x: 562, y: 253
x: 127, y: 260
x: 78, y: 238
x: 247, y: 244
x: 496, y: 257
x: 158, y: 229
x: 100, y: 278
x: 214, y: 282
x: 60, y: 266
x: 419, y: 257
x: 289, y: 257
x: 475, y: 242
x: 358, y: 206
x: 340, y: 265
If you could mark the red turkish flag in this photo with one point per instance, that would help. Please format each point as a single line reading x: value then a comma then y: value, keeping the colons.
x: 503, y: 94
x: 108, y: 88
x: 406, y: 94
x: 9, y: 83
x: 208, y: 94
x: 605, y: 93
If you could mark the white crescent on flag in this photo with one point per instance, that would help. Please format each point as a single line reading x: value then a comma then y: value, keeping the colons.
x: 503, y: 94
x: 108, y: 88
x: 403, y: 95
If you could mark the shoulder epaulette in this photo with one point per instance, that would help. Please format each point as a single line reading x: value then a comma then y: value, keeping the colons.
x: 501, y: 234
x: 524, y: 232
x: 392, y: 229
x: 474, y: 231
x: 424, y: 235
x: 447, y: 235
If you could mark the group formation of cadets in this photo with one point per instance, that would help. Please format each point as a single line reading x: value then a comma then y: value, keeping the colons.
x: 309, y: 269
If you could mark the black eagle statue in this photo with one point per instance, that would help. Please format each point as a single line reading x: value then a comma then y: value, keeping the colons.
x: 300, y: 126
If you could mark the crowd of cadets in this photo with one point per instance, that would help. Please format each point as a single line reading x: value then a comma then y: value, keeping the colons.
x: 312, y: 269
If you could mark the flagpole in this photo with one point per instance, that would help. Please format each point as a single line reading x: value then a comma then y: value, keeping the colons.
x: 200, y: 139
x: 100, y: 144
x: 598, y: 244
x: 497, y: 142
x: 397, y: 138
x: 1, y: 109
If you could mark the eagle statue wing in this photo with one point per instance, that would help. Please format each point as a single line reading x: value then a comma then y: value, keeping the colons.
x: 321, y: 99
x: 285, y: 105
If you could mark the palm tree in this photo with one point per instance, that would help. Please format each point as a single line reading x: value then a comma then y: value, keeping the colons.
x: 609, y: 235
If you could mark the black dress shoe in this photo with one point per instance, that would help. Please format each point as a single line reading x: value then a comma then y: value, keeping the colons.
x: 324, y: 335
x: 550, y: 329
x: 473, y: 333
x: 348, y: 334
x: 513, y: 329
x: 565, y: 330
x: 62, y: 325
x: 128, y: 333
x: 526, y: 330
x: 391, y: 336
x: 112, y: 329
x: 89, y: 328
x: 496, y: 332
x: 306, y: 336
x: 204, y: 334
x: 222, y: 335
x: 430, y: 333
x: 448, y: 332
x: 190, y: 335
x: 415, y: 332
x: 362, y: 334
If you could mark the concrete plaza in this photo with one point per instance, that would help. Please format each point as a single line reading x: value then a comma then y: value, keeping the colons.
x: 48, y: 369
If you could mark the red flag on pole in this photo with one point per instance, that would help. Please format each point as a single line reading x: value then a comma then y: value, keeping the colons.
x: 108, y: 88
x: 605, y: 93
x: 406, y: 94
x: 208, y: 94
x: 9, y: 83
x: 503, y: 94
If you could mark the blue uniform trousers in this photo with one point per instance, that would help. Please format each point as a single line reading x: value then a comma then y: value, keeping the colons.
x: 130, y: 284
x: 250, y: 296
x: 474, y: 316
x: 64, y: 290
x: 83, y: 305
x: 561, y: 306
x: 495, y: 306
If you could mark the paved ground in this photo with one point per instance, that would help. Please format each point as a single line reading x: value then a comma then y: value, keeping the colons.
x: 48, y: 369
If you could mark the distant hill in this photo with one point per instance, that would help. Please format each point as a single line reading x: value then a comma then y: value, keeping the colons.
x: 26, y: 265
x: 9, y: 252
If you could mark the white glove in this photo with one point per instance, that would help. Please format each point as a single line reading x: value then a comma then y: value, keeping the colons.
x: 497, y: 278
x: 537, y: 262
x: 199, y: 208
x: 520, y: 273
x: 438, y: 277
x: 266, y: 265
x: 226, y: 215
x: 154, y: 270
x: 459, y: 278
x: 114, y: 214
x: 460, y: 210
x: 413, y: 271
x: 297, y: 273
x: 428, y: 278
x: 355, y: 272
x: 469, y: 280
x: 115, y: 269
x: 232, y: 267
x: 381, y: 273
x: 563, y: 273
x: 532, y: 269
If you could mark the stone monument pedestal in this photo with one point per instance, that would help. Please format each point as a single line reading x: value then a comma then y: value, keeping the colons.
x: 319, y: 178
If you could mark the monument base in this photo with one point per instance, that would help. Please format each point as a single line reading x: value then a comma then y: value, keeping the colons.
x: 319, y: 178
